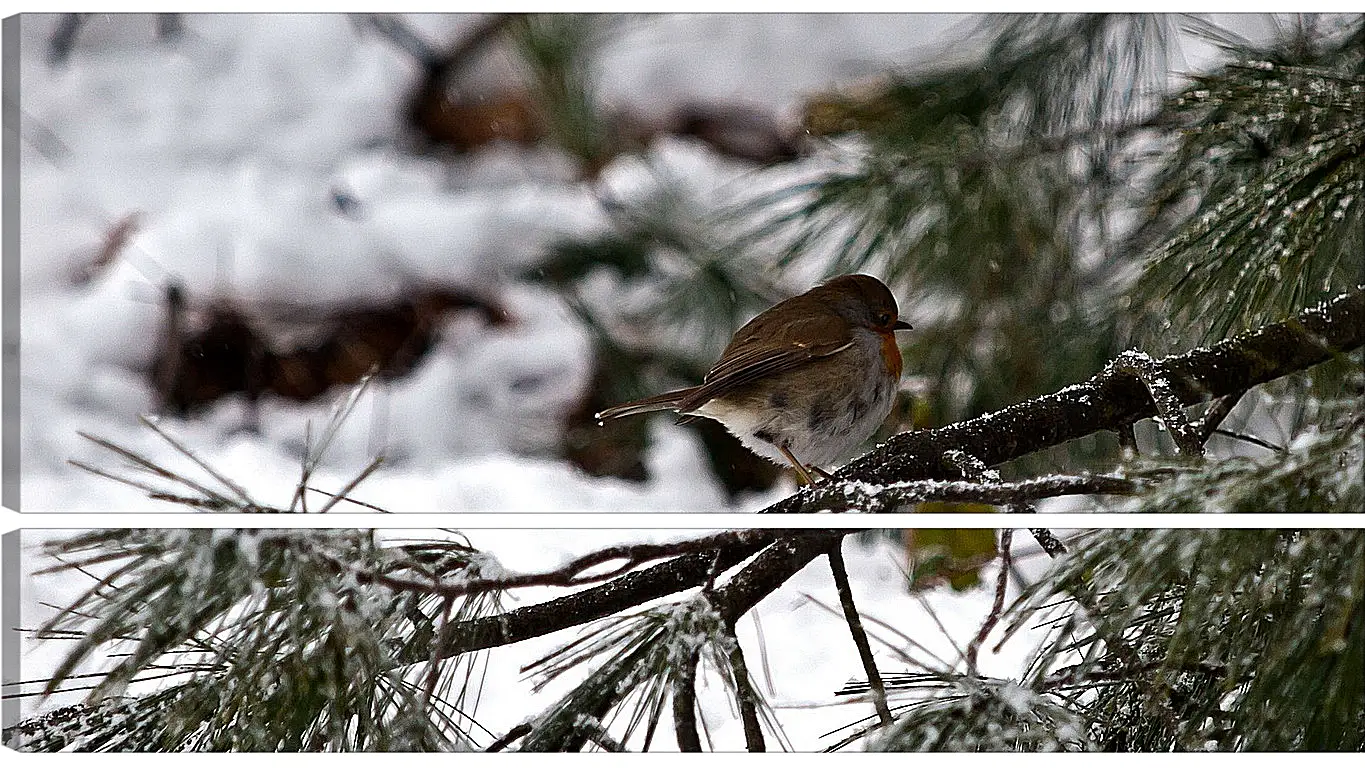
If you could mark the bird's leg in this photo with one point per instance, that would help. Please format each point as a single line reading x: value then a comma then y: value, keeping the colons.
x: 798, y: 466
x: 822, y: 473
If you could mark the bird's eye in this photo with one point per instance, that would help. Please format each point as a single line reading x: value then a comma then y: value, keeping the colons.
x: 883, y: 318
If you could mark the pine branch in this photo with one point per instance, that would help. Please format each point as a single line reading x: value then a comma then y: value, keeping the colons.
x: 597, y: 602
x: 1111, y: 400
x: 569, y: 575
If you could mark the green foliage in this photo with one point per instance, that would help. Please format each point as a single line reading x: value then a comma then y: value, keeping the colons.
x: 1270, y: 153
x: 276, y: 647
x: 980, y: 192
x: 558, y: 50
x: 1211, y: 639
x: 1320, y: 472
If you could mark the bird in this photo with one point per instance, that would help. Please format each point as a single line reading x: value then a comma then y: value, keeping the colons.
x: 804, y: 382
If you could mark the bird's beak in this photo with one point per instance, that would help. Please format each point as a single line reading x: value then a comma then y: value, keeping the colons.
x: 901, y: 325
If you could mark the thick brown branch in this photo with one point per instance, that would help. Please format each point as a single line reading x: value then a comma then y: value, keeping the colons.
x: 1110, y: 400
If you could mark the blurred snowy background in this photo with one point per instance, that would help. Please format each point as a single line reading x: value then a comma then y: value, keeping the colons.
x: 264, y: 163
x: 227, y: 219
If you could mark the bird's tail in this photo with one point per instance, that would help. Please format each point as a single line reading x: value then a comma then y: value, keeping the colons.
x: 665, y: 402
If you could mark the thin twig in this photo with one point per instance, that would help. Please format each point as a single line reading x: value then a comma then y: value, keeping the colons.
x: 839, y: 570
x: 746, y: 696
x: 992, y: 618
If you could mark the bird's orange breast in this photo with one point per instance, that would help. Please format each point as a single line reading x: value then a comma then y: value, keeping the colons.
x: 891, y: 354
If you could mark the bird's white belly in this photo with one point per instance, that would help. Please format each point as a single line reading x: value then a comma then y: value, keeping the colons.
x: 843, y: 430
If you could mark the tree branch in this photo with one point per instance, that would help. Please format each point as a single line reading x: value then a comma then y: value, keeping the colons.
x: 993, y: 618
x: 1110, y: 400
x: 1149, y: 372
x: 842, y: 495
x: 592, y: 603
x: 572, y: 573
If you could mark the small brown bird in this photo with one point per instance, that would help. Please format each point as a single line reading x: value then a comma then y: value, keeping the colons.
x: 806, y: 381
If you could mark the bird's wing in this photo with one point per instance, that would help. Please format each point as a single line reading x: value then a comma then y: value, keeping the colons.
x: 753, y: 356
